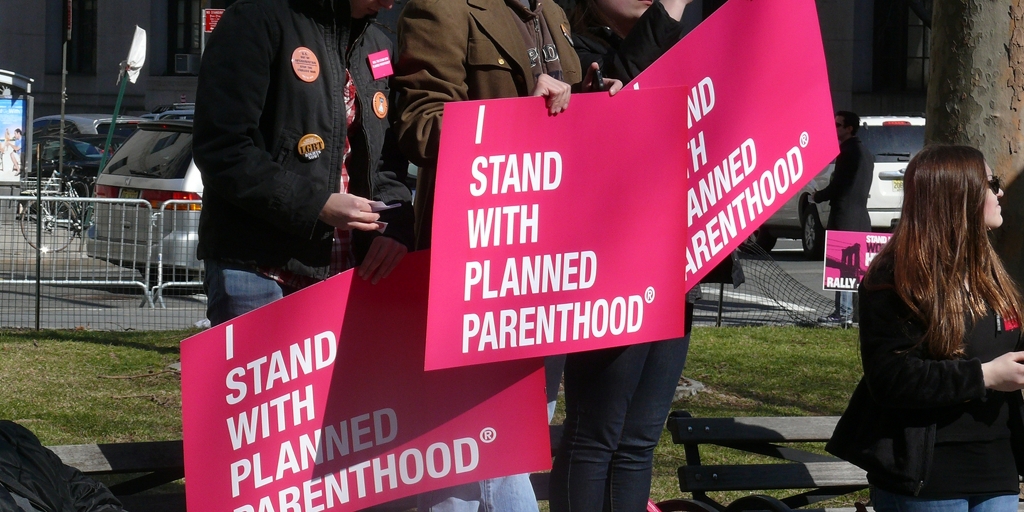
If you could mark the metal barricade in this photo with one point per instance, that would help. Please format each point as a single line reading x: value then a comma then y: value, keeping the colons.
x: 177, y: 234
x: 75, y: 265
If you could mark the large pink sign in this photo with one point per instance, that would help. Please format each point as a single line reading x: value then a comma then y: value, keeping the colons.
x: 760, y: 117
x: 319, y: 401
x: 557, y: 234
x: 848, y: 254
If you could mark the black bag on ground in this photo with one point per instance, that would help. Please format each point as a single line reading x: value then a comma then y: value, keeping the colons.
x: 33, y: 478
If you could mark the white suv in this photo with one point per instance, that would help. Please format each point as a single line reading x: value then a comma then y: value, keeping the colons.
x: 893, y: 140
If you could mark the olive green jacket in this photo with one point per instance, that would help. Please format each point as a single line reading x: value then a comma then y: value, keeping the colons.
x: 454, y: 50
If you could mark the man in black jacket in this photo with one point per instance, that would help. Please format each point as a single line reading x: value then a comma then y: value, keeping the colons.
x: 847, y: 194
x: 293, y: 141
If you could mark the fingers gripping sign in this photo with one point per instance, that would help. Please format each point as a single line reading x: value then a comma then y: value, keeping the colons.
x: 555, y: 93
x: 384, y: 255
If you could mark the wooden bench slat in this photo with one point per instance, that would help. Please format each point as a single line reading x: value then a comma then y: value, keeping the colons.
x: 770, y: 476
x: 756, y: 429
x: 122, y: 457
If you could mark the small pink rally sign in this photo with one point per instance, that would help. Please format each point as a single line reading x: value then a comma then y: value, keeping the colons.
x: 847, y: 257
x: 380, y: 64
x: 556, y: 234
x: 319, y: 401
x: 760, y: 116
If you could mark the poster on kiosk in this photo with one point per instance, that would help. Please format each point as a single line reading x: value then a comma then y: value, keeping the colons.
x: 12, y: 127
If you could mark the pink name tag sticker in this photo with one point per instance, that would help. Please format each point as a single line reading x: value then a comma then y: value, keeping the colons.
x: 380, y: 64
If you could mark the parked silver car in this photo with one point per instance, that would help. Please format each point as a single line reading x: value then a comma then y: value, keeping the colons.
x: 84, y: 123
x: 894, y: 140
x: 154, y: 164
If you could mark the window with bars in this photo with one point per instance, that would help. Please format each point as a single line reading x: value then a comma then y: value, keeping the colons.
x: 918, y: 44
x: 901, y: 49
x: 184, y: 30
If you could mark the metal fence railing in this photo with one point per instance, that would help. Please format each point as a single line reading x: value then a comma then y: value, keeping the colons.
x: 177, y: 232
x: 123, y: 264
x: 70, y: 262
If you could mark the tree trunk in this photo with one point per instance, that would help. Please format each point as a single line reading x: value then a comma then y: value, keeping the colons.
x: 975, y: 95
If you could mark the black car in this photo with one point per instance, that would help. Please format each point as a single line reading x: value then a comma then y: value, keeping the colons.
x: 81, y: 161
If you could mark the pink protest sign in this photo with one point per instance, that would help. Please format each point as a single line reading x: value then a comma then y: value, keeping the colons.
x: 847, y: 257
x: 319, y: 401
x: 760, y: 117
x: 557, y: 234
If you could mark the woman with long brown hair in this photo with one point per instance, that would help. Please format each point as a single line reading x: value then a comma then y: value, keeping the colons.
x: 937, y: 421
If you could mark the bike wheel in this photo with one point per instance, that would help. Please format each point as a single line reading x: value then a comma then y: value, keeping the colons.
x: 59, y: 222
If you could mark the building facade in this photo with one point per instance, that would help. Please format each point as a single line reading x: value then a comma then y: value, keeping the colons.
x: 877, y: 51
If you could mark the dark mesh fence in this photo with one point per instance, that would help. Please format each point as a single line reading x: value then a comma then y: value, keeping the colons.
x: 769, y: 296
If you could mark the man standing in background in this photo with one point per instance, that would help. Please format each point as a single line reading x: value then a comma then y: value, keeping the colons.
x: 847, y: 194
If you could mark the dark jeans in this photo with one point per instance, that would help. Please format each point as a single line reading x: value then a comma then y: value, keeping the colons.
x: 233, y: 290
x: 616, y: 404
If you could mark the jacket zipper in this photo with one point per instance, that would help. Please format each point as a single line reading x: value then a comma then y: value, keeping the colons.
x: 332, y: 45
x: 359, y: 98
x: 539, y: 42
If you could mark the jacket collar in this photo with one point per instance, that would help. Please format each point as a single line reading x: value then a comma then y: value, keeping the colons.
x: 494, y: 18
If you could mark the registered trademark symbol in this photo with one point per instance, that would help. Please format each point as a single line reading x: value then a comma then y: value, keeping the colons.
x: 649, y: 294
x: 488, y: 435
x: 804, y: 139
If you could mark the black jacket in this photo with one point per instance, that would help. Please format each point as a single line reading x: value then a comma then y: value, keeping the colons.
x: 847, y: 191
x: 653, y: 35
x: 261, y: 198
x: 29, y: 470
x: 889, y: 427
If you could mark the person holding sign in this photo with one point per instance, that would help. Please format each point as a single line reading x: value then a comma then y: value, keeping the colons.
x: 847, y: 195
x: 476, y: 50
x: 617, y: 399
x: 937, y: 420
x: 293, y: 141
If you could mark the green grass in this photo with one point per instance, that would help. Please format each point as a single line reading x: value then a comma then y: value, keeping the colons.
x: 87, y: 387
x: 84, y: 387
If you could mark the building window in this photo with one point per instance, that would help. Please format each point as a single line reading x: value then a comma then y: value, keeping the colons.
x: 918, y: 44
x: 82, y: 47
x: 184, y: 35
x: 901, y: 49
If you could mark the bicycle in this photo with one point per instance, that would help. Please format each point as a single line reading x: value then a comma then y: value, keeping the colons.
x: 61, y: 218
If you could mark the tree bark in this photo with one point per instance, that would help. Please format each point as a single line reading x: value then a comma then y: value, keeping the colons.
x: 975, y: 95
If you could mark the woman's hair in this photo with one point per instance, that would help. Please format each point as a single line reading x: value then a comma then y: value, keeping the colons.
x: 583, y: 15
x: 943, y: 262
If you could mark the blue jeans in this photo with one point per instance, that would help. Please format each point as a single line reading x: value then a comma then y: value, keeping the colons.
x: 844, y: 305
x: 885, y: 501
x: 233, y: 290
x: 505, y: 494
x: 616, y: 403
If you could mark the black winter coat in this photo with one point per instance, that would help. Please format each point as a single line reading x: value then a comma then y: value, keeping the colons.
x: 847, y: 191
x: 261, y: 198
x: 889, y: 427
x: 30, y: 470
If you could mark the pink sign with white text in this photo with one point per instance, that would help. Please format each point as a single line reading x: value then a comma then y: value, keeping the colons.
x: 557, y: 234
x: 319, y: 401
x: 847, y: 257
x: 760, y: 117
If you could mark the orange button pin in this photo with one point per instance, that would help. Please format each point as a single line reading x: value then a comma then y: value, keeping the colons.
x: 305, y: 64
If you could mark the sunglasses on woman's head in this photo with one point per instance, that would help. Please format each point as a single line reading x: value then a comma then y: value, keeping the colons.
x: 994, y: 185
